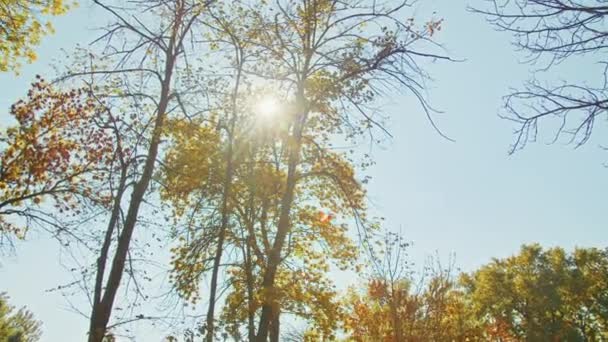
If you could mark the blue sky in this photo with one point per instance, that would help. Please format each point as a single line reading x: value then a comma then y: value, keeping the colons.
x: 468, y: 197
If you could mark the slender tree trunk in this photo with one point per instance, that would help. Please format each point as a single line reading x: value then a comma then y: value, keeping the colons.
x: 227, y: 187
x: 249, y: 270
x: 251, y: 244
x: 274, y: 258
x: 105, y: 247
x: 102, y: 309
x: 220, y: 246
x: 396, y: 321
x: 250, y: 298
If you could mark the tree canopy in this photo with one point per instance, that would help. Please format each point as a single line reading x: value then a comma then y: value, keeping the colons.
x: 222, y: 147
x: 536, y: 295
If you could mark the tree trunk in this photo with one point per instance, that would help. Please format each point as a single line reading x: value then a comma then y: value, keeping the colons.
x: 105, y: 247
x: 249, y: 263
x: 225, y: 199
x: 274, y: 259
x: 283, y: 227
x: 250, y: 298
x: 220, y: 245
x: 396, y: 321
x: 275, y: 331
x: 102, y: 309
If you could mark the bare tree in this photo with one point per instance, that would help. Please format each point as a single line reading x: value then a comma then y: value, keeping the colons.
x: 144, y: 73
x: 551, y: 31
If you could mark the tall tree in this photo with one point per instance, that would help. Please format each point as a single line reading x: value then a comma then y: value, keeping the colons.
x: 208, y: 181
x: 551, y: 31
x: 193, y: 185
x: 141, y: 71
x: 227, y: 31
x: 326, y: 181
x: 334, y: 58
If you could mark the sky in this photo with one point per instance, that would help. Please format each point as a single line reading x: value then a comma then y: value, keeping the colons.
x: 468, y: 198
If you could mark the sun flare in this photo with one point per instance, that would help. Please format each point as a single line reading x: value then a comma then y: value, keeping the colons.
x: 267, y: 106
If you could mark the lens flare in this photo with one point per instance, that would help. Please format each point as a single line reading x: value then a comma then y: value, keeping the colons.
x: 267, y: 107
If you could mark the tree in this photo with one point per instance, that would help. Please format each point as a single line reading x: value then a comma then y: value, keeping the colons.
x: 208, y: 180
x: 395, y: 306
x: 193, y: 177
x: 551, y: 31
x: 322, y: 85
x: 22, y: 27
x: 333, y: 68
x: 20, y: 326
x: 142, y: 74
x: 542, y: 295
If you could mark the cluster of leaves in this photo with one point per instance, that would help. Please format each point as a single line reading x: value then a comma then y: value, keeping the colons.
x: 543, y: 295
x: 537, y: 295
x: 22, y: 26
x: 58, y: 148
x: 19, y: 326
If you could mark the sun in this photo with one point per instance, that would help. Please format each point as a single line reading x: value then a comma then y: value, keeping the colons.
x: 267, y: 106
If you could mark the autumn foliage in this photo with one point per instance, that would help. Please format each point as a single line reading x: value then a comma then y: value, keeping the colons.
x: 256, y: 209
x: 537, y: 295
x: 52, y: 156
x: 22, y: 25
